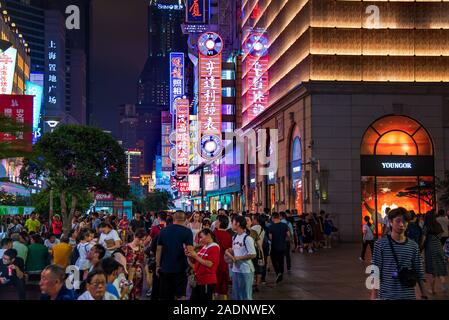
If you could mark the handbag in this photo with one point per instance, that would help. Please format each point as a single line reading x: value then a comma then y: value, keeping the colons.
x: 407, y: 277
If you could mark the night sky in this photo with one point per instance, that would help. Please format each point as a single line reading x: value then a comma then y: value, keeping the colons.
x: 118, y: 55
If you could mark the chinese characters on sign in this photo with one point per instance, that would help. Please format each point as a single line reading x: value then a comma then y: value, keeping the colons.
x: 20, y: 109
x: 196, y: 11
x: 183, y: 186
x: 210, y: 95
x: 176, y: 77
x: 256, y: 75
x: 52, y: 69
x: 166, y: 146
x: 182, y: 137
x: 210, y: 46
x: 7, y: 67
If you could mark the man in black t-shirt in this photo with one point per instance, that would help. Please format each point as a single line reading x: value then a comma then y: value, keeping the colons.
x: 278, y: 233
x: 12, y: 273
x: 171, y: 261
x: 137, y: 222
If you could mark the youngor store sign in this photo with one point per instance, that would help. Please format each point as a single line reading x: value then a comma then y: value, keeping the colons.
x: 397, y: 166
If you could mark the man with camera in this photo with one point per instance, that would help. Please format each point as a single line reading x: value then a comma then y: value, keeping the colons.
x: 399, y: 262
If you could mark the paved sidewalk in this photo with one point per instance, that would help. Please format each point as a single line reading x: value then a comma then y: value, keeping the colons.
x: 324, y: 275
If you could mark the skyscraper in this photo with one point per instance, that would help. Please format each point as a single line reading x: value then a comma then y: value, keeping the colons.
x: 164, y: 36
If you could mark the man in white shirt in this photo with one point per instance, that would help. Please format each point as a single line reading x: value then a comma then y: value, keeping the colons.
x: 241, y: 254
x: 5, y: 245
x: 386, y: 228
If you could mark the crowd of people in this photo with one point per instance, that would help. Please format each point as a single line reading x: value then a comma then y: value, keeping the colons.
x: 409, y: 247
x: 173, y: 255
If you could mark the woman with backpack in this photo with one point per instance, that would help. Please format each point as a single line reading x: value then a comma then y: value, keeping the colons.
x: 81, y: 251
x: 368, y: 237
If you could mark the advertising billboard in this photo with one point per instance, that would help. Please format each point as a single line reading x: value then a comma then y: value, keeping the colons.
x: 182, y: 137
x: 210, y: 46
x: 7, y: 67
x: 196, y: 11
x: 256, y: 90
x: 176, y: 78
x: 37, y: 92
x: 19, y: 108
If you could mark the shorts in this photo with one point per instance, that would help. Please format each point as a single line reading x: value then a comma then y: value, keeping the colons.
x: 307, y: 239
x: 172, y: 285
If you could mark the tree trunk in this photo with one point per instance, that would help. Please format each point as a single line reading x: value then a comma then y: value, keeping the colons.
x: 66, y: 220
x: 73, y: 207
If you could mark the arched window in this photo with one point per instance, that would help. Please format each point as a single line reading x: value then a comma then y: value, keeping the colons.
x: 396, y: 136
x: 296, y: 172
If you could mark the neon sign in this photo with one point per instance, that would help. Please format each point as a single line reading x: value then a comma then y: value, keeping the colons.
x: 182, y: 137
x: 176, y: 77
x: 196, y: 11
x: 210, y: 46
x: 7, y: 67
x: 256, y: 96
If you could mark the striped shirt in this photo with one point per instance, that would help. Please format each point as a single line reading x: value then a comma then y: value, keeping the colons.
x: 408, y: 256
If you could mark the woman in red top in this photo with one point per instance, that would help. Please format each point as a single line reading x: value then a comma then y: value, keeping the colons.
x: 224, y: 240
x: 205, y: 264
x: 56, y: 226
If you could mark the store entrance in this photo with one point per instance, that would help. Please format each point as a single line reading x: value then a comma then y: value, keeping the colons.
x: 397, y: 168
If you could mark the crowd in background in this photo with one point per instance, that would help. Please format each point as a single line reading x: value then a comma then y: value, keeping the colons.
x: 166, y: 255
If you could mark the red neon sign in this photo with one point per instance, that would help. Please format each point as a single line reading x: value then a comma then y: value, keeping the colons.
x: 182, y: 137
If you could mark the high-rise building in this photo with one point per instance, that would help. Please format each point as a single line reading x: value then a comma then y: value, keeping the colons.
x: 30, y: 21
x: 164, y: 36
x: 358, y: 98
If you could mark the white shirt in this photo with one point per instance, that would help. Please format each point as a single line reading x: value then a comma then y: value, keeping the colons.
x: 2, y: 251
x: 87, y: 296
x: 444, y: 222
x: 368, y: 232
x: 50, y: 245
x: 83, y: 248
x: 239, y: 248
x: 112, y: 235
x: 260, y: 231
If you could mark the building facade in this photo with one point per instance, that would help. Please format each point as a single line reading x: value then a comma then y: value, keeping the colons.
x: 358, y: 95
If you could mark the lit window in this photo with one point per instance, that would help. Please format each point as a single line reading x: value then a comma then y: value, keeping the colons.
x: 228, y: 109
x: 228, y: 92
x: 228, y: 75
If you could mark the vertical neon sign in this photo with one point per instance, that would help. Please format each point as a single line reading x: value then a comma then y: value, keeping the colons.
x: 210, y: 46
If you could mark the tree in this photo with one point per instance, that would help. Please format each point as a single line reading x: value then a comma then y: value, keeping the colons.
x: 425, y: 192
x: 16, y: 148
x: 158, y: 200
x: 76, y: 159
x: 41, y: 202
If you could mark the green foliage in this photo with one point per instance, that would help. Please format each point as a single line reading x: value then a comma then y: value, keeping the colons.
x: 12, y: 149
x: 157, y: 201
x: 74, y: 158
x: 41, y: 202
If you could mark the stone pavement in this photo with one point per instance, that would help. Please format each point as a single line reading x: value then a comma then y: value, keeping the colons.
x: 324, y: 275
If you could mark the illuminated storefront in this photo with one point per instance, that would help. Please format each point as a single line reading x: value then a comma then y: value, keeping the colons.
x: 397, y: 167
